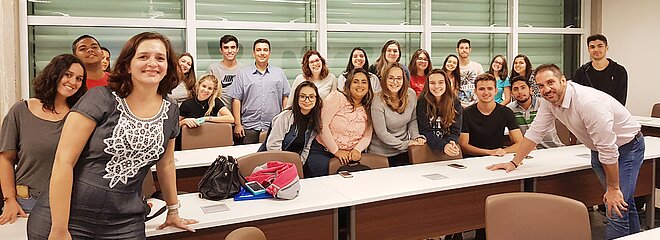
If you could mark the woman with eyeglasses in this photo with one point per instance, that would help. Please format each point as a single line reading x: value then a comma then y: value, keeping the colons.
x: 420, y: 65
x: 358, y: 59
x: 498, y: 68
x: 394, y: 117
x: 315, y: 70
x: 346, y: 125
x: 295, y: 128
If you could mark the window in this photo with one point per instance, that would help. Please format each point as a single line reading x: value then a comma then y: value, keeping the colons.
x: 469, y: 13
x: 484, y: 47
x: 287, y: 48
x: 160, y: 9
x: 549, y: 13
x: 404, y: 12
x: 299, y: 11
x: 552, y: 48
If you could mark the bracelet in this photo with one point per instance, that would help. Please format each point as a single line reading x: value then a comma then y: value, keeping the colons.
x: 514, y: 164
x: 4, y: 199
x: 174, y: 207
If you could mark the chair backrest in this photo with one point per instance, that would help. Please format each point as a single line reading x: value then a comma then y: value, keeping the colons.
x: 373, y: 161
x: 262, y: 136
x: 538, y: 216
x: 566, y: 137
x: 656, y: 110
x: 207, y: 135
x: 248, y: 162
x: 246, y: 233
x: 424, y: 154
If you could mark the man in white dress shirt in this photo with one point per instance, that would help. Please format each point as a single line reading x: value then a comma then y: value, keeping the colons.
x: 604, y: 126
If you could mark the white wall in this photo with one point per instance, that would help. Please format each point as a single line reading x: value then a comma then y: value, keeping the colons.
x: 632, y: 31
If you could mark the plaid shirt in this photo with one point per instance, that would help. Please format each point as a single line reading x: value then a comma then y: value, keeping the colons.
x: 524, y: 118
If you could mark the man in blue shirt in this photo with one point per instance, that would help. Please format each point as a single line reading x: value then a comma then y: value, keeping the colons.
x: 259, y: 92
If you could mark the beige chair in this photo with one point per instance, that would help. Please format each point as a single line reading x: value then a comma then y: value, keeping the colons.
x: 373, y: 161
x: 207, y: 135
x: 424, y: 154
x: 262, y: 136
x: 538, y: 216
x: 656, y: 110
x: 246, y: 233
x: 248, y: 162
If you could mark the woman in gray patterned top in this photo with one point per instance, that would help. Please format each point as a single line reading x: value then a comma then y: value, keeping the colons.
x: 30, y: 133
x: 109, y: 142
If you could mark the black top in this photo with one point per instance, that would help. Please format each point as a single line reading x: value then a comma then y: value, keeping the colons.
x: 192, y: 108
x: 612, y: 80
x: 487, y: 131
x: 436, y: 136
x: 299, y: 142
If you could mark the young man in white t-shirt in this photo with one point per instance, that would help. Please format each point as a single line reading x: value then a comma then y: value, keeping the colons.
x: 469, y: 71
x: 226, y: 69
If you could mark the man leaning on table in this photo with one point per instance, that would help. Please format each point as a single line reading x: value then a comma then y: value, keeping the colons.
x: 604, y: 126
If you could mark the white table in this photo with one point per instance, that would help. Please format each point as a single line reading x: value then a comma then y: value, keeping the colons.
x: 645, y: 235
x: 647, y: 121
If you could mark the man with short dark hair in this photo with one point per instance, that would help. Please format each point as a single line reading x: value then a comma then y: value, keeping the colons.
x: 226, y: 69
x: 484, y: 122
x: 88, y: 50
x: 469, y: 72
x: 603, y: 125
x: 259, y: 92
x: 601, y: 72
x: 525, y: 108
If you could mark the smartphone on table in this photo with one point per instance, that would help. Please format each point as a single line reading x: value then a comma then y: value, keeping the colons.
x: 255, y: 187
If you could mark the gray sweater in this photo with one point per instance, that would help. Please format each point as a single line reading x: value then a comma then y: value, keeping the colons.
x: 393, y: 131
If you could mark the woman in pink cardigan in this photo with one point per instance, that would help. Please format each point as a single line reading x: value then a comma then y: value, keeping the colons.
x: 346, y: 125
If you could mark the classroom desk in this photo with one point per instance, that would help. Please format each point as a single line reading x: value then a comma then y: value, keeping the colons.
x: 650, y: 127
x: 192, y: 164
x: 645, y: 235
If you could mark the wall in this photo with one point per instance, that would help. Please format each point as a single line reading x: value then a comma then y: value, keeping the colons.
x: 9, y: 69
x: 631, y: 28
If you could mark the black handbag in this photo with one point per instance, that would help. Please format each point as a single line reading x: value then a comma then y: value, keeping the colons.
x: 353, y: 166
x: 222, y: 179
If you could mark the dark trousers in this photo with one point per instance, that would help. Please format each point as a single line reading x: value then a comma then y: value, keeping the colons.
x: 317, y: 161
x: 251, y: 136
x: 399, y: 160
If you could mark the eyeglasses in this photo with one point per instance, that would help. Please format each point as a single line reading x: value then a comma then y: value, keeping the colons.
x: 311, y: 98
x: 393, y: 79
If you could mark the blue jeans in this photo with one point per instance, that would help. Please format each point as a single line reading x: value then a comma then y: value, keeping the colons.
x: 631, y: 157
x: 317, y: 161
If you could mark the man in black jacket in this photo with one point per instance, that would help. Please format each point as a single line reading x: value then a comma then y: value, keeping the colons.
x: 601, y: 72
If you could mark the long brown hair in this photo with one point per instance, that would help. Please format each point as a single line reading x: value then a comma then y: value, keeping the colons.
x: 442, y: 109
x: 46, y: 82
x: 381, y: 62
x: 412, y: 66
x: 190, y: 78
x: 399, y: 100
x: 366, y: 100
x: 120, y: 80
x: 314, y: 114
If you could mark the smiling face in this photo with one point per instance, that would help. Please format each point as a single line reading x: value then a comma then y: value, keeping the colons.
x: 149, y: 65
x: 552, y: 88
x: 394, y: 79
x: 229, y: 50
x: 485, y: 91
x: 89, y: 51
x: 185, y: 63
x: 359, y: 86
x: 497, y: 64
x: 306, y: 99
x: 261, y: 53
x: 422, y: 62
x: 71, y: 81
x: 598, y: 50
x: 464, y: 50
x: 392, y: 53
x: 315, y: 64
x: 205, y: 89
x: 519, y: 65
x: 105, y: 61
x: 451, y: 64
x: 357, y: 58
x: 437, y: 85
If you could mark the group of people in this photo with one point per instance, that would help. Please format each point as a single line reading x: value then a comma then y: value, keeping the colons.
x: 107, y: 128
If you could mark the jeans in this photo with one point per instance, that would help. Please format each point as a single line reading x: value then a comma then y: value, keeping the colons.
x: 631, y: 157
x: 317, y: 161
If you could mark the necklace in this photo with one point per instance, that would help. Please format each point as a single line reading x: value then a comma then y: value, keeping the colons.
x: 204, y: 106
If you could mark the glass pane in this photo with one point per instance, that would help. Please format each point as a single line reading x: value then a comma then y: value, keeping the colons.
x: 45, y: 42
x: 287, y: 48
x: 340, y: 45
x: 300, y: 11
x: 162, y: 9
x: 469, y: 13
x: 374, y: 12
x: 549, y: 13
x: 562, y: 50
x: 484, y: 47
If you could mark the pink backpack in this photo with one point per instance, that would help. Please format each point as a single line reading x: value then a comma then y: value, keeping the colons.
x: 279, y: 178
